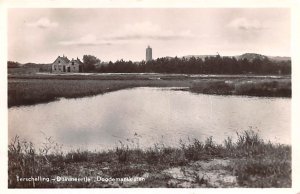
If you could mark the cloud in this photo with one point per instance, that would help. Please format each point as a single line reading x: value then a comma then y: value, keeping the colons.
x: 245, y: 24
x: 43, y: 23
x: 147, y: 30
x: 86, y: 40
x: 129, y: 32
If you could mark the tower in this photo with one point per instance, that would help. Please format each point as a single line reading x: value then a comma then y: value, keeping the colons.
x: 148, y: 54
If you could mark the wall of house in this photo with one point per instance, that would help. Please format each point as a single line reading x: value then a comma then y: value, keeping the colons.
x: 58, y: 66
x: 74, y: 66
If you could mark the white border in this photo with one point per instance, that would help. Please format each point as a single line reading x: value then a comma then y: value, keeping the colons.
x: 293, y: 4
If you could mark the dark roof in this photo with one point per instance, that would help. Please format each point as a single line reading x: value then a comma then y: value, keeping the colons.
x: 63, y: 58
x: 78, y: 60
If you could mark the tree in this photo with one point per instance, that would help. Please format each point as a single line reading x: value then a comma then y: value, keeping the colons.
x: 13, y: 64
x: 90, y: 62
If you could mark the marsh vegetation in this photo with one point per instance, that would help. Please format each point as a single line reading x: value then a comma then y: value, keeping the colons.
x: 249, y: 161
x: 40, y: 88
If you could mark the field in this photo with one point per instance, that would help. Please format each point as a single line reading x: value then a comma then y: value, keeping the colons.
x: 248, y: 162
x: 26, y: 89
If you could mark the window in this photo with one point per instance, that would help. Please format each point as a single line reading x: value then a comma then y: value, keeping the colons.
x: 58, y: 61
x: 72, y: 62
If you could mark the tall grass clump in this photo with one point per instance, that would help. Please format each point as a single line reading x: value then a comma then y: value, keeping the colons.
x: 26, y: 161
x: 197, y: 150
x: 249, y: 143
x: 259, y: 163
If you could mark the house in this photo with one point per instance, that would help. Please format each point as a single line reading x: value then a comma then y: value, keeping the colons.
x: 63, y: 64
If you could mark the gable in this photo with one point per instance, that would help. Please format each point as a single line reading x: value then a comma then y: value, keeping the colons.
x: 75, y: 62
x: 61, y: 61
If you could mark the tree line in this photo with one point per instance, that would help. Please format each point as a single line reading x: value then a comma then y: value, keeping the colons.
x: 193, y: 65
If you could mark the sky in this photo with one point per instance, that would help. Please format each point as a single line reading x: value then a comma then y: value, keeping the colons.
x: 40, y: 35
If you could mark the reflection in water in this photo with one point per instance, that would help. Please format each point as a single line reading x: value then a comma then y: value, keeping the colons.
x: 144, y: 116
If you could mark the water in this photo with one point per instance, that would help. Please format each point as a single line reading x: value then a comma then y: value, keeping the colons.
x: 141, y: 117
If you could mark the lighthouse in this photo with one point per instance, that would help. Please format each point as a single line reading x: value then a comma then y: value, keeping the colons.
x: 148, y: 54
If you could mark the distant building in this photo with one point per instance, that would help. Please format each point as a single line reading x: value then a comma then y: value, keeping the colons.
x: 148, y: 54
x: 63, y: 64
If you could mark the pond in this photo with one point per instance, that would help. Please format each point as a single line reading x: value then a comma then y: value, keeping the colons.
x: 143, y: 117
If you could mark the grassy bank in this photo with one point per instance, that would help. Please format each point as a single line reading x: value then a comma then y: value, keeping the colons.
x: 247, y: 162
x: 33, y: 89
x: 254, y: 87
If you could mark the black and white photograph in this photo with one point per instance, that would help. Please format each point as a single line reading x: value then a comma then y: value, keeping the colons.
x: 149, y: 97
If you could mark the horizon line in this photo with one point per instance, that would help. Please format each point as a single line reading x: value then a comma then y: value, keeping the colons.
x: 162, y: 57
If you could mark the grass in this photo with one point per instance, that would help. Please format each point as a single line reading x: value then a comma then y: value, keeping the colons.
x: 27, y: 89
x: 254, y: 162
x: 263, y: 87
x: 26, y: 92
